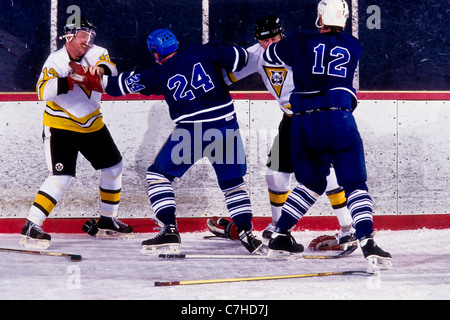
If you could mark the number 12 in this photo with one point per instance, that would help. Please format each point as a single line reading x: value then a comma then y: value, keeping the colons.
x: 335, y: 67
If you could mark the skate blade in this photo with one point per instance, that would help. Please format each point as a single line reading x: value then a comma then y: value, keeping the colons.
x: 114, y: 235
x: 283, y: 255
x: 377, y: 262
x: 160, y: 249
x: 347, y: 245
x: 31, y: 243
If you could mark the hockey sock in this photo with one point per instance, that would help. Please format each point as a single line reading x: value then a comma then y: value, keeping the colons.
x: 338, y: 201
x: 237, y: 202
x: 47, y: 197
x: 110, y: 187
x: 162, y: 197
x: 297, y: 204
x: 360, y: 206
x: 279, y: 188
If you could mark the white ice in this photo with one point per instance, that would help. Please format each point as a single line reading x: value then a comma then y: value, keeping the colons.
x: 116, y: 269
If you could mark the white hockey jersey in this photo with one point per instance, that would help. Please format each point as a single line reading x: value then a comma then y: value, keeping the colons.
x: 79, y: 109
x: 278, y: 80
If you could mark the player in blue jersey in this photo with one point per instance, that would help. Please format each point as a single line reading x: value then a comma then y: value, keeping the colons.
x: 201, y: 106
x: 279, y: 81
x: 323, y: 127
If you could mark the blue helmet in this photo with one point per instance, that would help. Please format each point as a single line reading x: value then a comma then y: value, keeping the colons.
x: 162, y: 41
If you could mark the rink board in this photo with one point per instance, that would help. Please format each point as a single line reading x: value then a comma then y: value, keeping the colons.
x: 405, y: 137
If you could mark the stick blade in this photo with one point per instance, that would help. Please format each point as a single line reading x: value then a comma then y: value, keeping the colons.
x: 166, y: 283
x: 76, y: 257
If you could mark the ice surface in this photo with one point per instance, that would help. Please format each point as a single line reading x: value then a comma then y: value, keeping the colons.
x: 116, y: 269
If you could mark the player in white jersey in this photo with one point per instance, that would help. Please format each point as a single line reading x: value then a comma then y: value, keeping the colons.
x: 74, y: 124
x: 278, y: 80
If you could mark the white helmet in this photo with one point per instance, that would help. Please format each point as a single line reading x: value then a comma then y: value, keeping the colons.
x: 333, y: 13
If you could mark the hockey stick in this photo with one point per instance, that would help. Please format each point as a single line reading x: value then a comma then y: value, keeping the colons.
x: 293, y: 276
x: 73, y: 257
x: 343, y: 254
x: 248, y: 256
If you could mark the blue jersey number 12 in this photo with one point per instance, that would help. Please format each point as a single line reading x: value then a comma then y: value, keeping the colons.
x: 336, y: 66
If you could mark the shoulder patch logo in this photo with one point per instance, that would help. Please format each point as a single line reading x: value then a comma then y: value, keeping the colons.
x: 276, y: 76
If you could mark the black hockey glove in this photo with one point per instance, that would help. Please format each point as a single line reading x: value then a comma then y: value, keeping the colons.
x: 90, y: 227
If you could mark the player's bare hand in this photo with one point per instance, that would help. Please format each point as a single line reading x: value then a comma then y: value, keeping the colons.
x: 96, y: 71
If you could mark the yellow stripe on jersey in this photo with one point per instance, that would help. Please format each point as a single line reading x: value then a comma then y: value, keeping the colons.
x: 289, y: 108
x: 104, y: 59
x: 50, y: 74
x: 57, y: 117
x: 232, y: 77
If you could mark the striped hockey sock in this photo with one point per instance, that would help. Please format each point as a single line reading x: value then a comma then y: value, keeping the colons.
x: 110, y: 188
x: 47, y: 197
x: 238, y: 205
x: 360, y: 205
x: 297, y: 204
x: 162, y: 198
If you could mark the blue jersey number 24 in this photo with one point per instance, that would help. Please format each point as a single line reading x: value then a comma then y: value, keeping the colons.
x: 336, y: 66
x: 200, y: 79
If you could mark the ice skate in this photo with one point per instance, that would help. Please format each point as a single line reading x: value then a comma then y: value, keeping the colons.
x: 377, y: 257
x: 268, y: 231
x: 250, y: 242
x: 34, y: 237
x: 347, y: 238
x: 113, y: 228
x: 167, y: 241
x: 283, y: 245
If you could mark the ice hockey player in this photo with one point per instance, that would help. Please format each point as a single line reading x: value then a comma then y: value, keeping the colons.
x: 73, y: 123
x: 323, y: 127
x: 278, y: 80
x: 198, y: 102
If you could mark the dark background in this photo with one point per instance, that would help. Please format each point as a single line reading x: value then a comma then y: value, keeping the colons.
x: 409, y: 52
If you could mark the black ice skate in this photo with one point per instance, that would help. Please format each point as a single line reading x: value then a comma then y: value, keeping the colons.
x: 113, y: 228
x: 283, y: 245
x: 34, y: 237
x: 167, y: 241
x: 377, y: 257
x: 268, y: 231
x: 250, y: 242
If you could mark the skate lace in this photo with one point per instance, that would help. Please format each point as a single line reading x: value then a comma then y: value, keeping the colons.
x: 165, y: 230
x: 37, y: 228
x: 118, y: 224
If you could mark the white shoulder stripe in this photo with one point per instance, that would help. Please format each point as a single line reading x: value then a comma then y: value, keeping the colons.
x: 202, y: 111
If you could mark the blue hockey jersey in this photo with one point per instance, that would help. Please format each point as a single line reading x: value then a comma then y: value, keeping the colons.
x: 190, y: 82
x: 323, y: 65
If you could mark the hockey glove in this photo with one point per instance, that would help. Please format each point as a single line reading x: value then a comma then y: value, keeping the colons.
x: 223, y: 228
x: 84, y: 78
x: 90, y: 227
x: 325, y: 242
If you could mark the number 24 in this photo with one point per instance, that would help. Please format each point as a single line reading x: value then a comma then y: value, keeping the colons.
x: 199, y: 79
x: 335, y: 67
